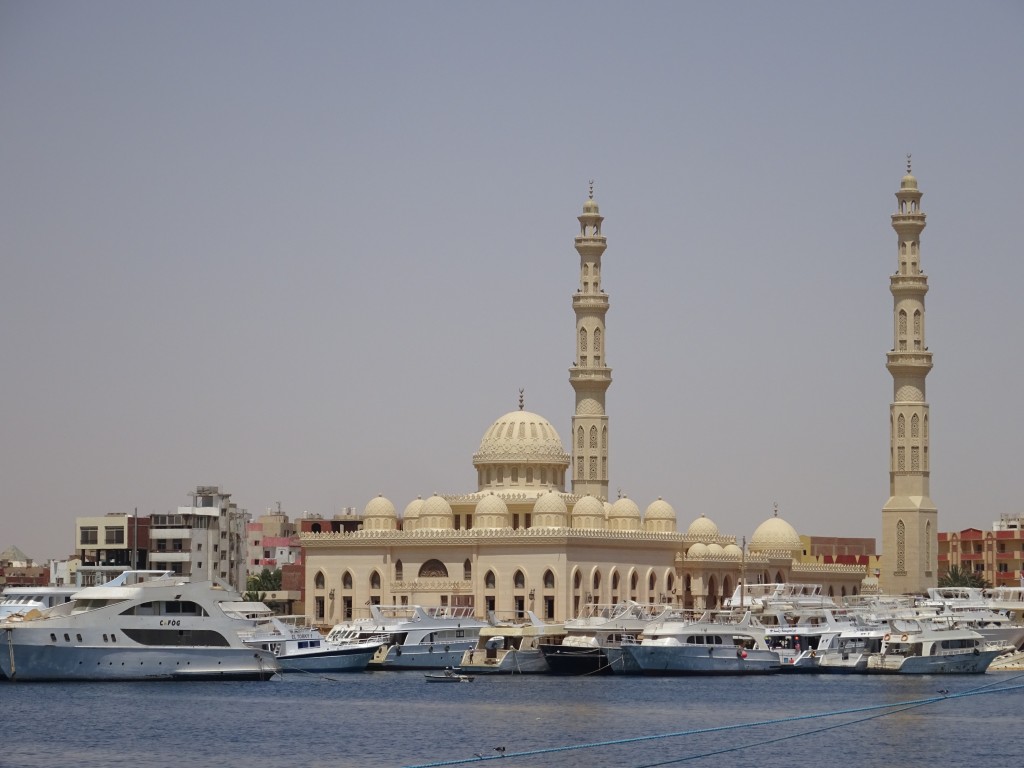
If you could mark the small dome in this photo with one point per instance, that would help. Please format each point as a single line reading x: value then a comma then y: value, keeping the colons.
x: 549, y: 511
x: 908, y: 182
x: 491, y: 512
x: 379, y: 515
x: 733, y: 551
x: 590, y: 206
x: 411, y: 516
x: 624, y: 515
x: 588, y: 512
x: 775, y: 534
x: 702, y: 528
x: 697, y: 550
x: 715, y: 549
x: 379, y: 507
x: 660, y: 510
x: 436, y: 514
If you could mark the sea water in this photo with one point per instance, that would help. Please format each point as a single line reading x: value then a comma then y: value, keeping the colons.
x: 399, y: 719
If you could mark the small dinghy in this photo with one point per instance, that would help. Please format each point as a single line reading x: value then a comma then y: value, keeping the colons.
x: 449, y: 676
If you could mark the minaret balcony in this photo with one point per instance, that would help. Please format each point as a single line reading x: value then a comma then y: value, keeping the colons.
x: 590, y: 300
x: 593, y: 377
x: 915, y: 284
x: 908, y: 363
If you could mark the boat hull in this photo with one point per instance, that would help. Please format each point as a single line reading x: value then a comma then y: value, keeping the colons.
x: 511, y: 662
x: 48, y: 663
x: 951, y: 664
x: 423, y: 656
x: 327, y: 661
x: 584, y: 660
x: 696, y: 660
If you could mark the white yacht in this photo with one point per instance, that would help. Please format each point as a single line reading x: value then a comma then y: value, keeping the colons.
x: 849, y: 650
x: 130, y: 629
x: 512, y: 647
x: 23, y: 600
x: 416, y: 637
x: 915, y: 647
x: 304, y: 649
x: 593, y: 641
x: 715, y: 644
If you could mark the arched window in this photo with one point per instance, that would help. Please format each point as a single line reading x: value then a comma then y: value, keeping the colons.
x: 597, y: 580
x: 901, y: 427
x: 467, y: 570
x: 583, y: 339
x: 670, y: 582
x: 593, y: 437
x: 346, y: 580
x: 374, y: 580
x: 604, y: 437
x: 901, y: 547
x: 318, y: 581
x: 519, y: 580
x: 634, y: 579
x: 615, y: 580
x: 903, y: 324
x: 433, y: 569
x: 398, y: 570
x: 914, y: 422
x: 489, y: 580
x: 577, y: 580
x: 652, y: 583
x: 549, y: 579
x: 917, y: 323
x: 316, y: 528
x: 579, y: 438
x: 597, y: 340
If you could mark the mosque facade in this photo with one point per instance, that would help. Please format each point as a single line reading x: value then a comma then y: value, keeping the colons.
x: 523, y: 542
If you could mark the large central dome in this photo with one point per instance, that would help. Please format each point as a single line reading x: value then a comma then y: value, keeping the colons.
x: 521, y: 452
x: 521, y: 436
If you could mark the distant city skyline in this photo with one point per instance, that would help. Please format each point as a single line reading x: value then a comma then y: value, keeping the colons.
x: 310, y: 253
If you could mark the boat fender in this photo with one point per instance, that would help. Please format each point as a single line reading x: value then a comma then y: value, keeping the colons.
x: 977, y: 652
x: 904, y: 638
x: 430, y: 649
x: 446, y: 649
x: 398, y: 651
x: 887, y: 636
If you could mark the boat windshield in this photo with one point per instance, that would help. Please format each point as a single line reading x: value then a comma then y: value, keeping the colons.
x: 87, y: 604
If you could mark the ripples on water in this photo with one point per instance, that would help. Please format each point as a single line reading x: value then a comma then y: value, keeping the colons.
x: 397, y: 719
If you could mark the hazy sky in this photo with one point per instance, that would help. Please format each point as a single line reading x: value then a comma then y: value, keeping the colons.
x: 309, y: 252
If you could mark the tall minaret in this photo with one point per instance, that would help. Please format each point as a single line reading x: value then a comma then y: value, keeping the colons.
x: 909, y: 517
x: 590, y: 375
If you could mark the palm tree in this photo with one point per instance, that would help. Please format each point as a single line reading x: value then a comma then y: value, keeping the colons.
x: 962, y: 577
x: 258, y: 586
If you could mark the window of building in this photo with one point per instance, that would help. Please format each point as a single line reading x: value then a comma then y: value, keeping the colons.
x: 90, y: 534
x: 113, y: 535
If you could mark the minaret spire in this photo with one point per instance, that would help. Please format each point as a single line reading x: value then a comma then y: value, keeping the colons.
x: 590, y: 375
x: 909, y: 518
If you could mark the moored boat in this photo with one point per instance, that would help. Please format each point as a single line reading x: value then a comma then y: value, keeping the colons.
x: 715, y: 644
x: 157, y: 629
x: 512, y: 648
x: 914, y: 647
x: 304, y: 649
x: 416, y: 637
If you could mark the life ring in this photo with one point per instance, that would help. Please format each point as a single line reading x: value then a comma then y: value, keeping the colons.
x: 887, y: 636
x: 904, y: 638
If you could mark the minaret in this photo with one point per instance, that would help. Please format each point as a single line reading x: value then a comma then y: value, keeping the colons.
x: 909, y: 518
x: 590, y: 376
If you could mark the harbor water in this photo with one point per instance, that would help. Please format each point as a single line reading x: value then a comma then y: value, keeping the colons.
x: 397, y: 719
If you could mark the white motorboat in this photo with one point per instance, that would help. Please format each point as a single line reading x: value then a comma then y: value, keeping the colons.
x: 22, y: 600
x: 162, y: 628
x: 593, y: 641
x: 916, y: 647
x: 416, y: 637
x: 715, y: 644
x: 512, y: 648
x: 849, y: 650
x: 304, y: 649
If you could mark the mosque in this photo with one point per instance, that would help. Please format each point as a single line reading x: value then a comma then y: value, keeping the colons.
x: 522, y: 541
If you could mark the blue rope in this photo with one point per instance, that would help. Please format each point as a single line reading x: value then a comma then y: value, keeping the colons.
x: 895, y: 707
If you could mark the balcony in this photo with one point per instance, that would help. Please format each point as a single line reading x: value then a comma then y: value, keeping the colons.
x: 170, y: 557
